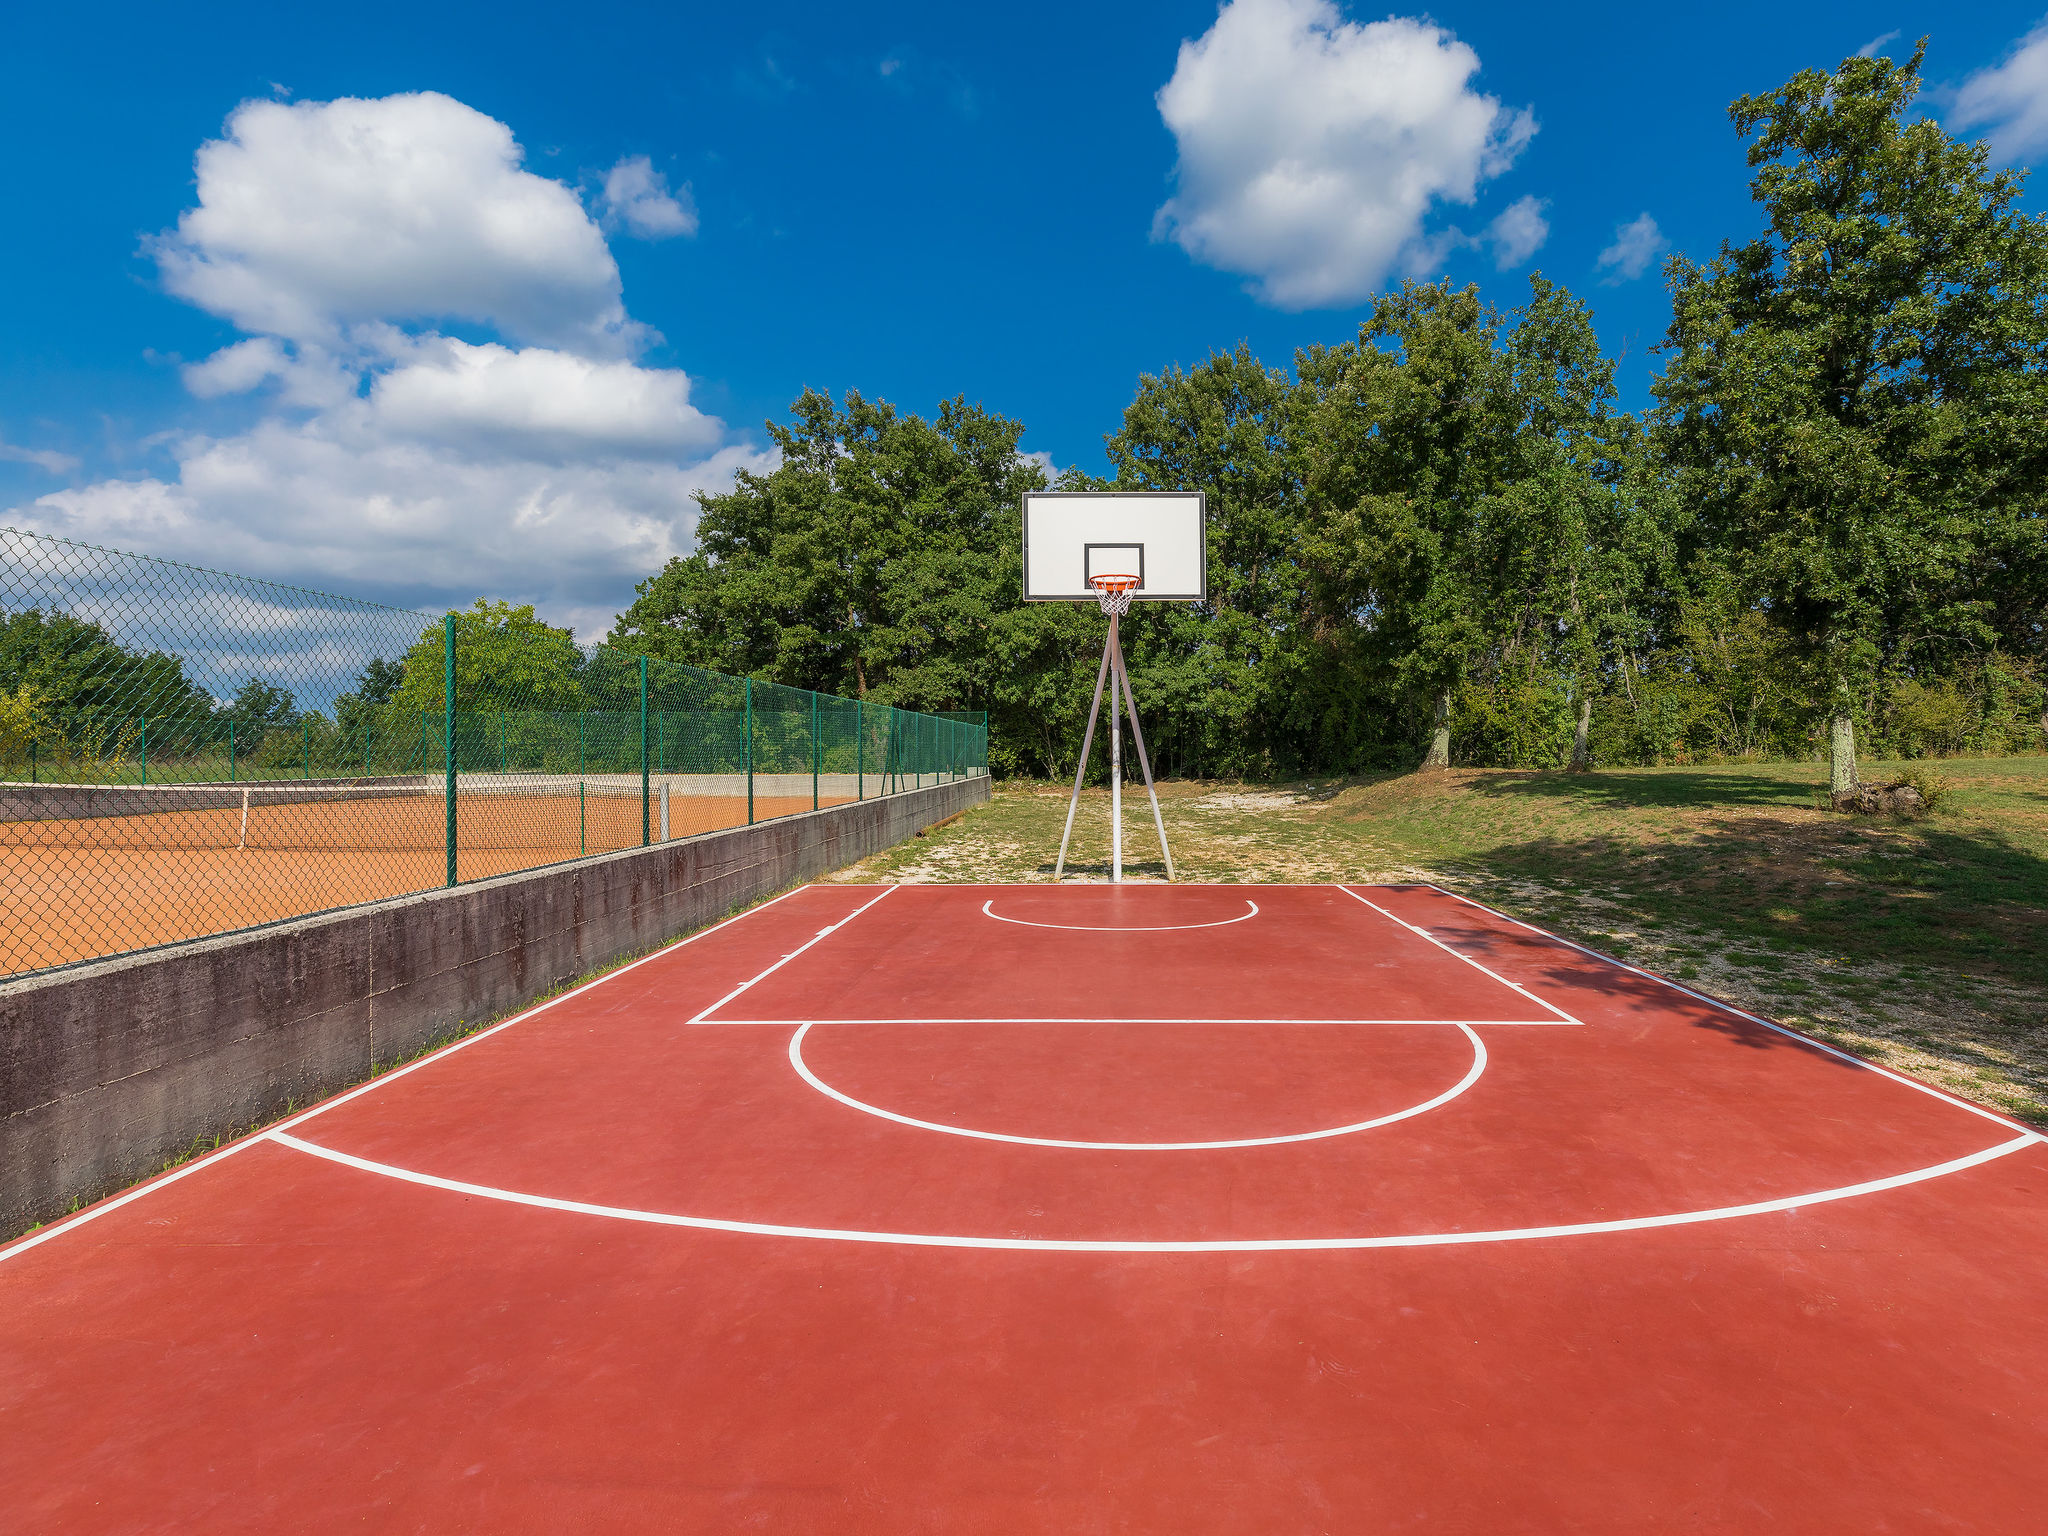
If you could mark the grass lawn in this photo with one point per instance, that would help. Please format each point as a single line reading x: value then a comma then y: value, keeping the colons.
x: 1919, y: 944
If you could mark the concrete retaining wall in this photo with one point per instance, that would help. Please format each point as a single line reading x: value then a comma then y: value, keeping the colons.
x: 108, y: 1069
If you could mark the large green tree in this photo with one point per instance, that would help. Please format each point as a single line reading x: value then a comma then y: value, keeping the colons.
x: 1238, y: 684
x: 1463, y: 479
x: 505, y: 658
x: 881, y: 559
x: 1854, y: 399
x: 76, y: 668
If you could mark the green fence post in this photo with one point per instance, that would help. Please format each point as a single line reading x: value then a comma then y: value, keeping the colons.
x: 306, y: 749
x: 145, y: 748
x: 35, y: 767
x: 747, y: 748
x: 860, y: 751
x: 582, y: 755
x: 448, y: 729
x: 814, y: 749
x: 644, y: 838
x: 231, y: 751
x: 504, y: 763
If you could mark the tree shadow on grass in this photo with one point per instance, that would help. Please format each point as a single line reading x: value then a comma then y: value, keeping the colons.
x: 1974, y: 901
x: 1677, y: 789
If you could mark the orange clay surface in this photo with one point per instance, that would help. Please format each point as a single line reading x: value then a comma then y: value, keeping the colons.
x: 79, y: 889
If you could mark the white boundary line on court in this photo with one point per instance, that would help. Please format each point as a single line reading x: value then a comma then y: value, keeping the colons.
x: 1472, y: 1075
x: 1243, y: 917
x: 23, y: 1244
x: 1162, y: 1019
x: 280, y: 1136
x: 1221, y: 1245
x: 807, y: 943
x: 1742, y: 1013
x: 1424, y: 933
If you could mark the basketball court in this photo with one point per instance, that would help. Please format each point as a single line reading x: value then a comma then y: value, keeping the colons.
x: 1067, y: 1209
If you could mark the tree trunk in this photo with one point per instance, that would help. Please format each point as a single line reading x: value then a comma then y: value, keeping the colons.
x: 1842, y: 756
x: 1440, y: 740
x: 1582, y: 748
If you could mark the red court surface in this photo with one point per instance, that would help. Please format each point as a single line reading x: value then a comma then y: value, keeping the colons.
x: 1067, y: 1209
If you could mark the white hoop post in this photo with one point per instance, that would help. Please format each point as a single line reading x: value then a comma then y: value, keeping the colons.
x: 1116, y: 757
x: 1144, y: 762
x: 1081, y: 772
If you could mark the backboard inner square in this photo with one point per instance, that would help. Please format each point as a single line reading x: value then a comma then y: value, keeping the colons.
x: 1117, y: 560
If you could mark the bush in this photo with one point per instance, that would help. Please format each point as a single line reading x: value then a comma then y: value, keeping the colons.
x: 1934, y: 790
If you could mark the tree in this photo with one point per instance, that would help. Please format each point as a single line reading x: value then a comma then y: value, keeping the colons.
x: 505, y: 658
x: 258, y: 706
x: 355, y: 713
x: 881, y: 559
x: 78, y: 670
x: 1461, y: 481
x: 1855, y: 399
x: 1239, y: 682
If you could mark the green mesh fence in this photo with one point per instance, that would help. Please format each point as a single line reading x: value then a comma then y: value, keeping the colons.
x: 185, y: 752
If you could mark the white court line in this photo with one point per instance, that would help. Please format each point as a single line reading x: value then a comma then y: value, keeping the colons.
x: 1424, y: 933
x: 778, y: 965
x: 1243, y: 917
x: 37, y: 1239
x: 1126, y: 1019
x: 1222, y: 1245
x: 803, y: 1070
x: 1714, y: 1002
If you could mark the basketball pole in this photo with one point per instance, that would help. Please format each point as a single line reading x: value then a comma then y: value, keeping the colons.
x: 1116, y: 765
x: 1144, y: 762
x: 1113, y: 674
x: 1080, y: 773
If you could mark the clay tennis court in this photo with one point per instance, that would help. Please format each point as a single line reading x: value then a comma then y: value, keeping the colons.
x: 82, y: 887
x: 1067, y: 1209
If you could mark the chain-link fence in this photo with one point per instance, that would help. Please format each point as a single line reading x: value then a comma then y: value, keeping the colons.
x: 185, y: 752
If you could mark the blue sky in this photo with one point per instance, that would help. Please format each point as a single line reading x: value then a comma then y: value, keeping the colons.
x: 495, y: 350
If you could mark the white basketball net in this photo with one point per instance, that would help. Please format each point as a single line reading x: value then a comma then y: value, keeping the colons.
x: 1113, y: 595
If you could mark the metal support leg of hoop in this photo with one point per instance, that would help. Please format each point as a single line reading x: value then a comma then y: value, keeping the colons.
x: 1087, y: 746
x: 1144, y: 762
x: 1119, y: 683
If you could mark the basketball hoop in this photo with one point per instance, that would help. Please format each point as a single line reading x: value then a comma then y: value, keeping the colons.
x: 1113, y: 592
x: 1120, y: 548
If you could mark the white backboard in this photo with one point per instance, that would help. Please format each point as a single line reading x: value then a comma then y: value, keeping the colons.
x: 1158, y: 536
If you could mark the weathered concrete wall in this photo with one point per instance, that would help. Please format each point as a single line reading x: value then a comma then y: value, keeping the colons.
x: 107, y: 1069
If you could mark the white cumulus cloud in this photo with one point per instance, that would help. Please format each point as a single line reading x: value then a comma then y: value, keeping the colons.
x: 2008, y: 101
x: 638, y: 196
x: 237, y: 369
x: 1517, y: 232
x: 546, y: 465
x: 1313, y: 149
x: 340, y: 504
x: 316, y: 216
x: 1636, y: 244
